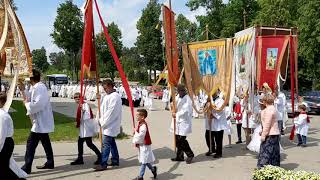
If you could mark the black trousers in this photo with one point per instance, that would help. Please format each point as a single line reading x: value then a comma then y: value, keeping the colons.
x: 239, y: 126
x: 218, y: 139
x: 207, y: 135
x: 32, y: 143
x: 89, y: 143
x: 183, y: 147
x: 5, y: 155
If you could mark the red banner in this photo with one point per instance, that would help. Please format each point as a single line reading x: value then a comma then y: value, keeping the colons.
x: 172, y: 52
x: 118, y: 64
x: 88, y: 60
x: 270, y: 51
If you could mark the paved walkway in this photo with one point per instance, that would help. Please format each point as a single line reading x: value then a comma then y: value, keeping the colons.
x: 236, y: 163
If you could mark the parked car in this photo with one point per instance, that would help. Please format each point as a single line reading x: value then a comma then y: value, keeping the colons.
x: 312, y: 94
x: 156, y: 92
x: 296, y: 112
x: 313, y: 104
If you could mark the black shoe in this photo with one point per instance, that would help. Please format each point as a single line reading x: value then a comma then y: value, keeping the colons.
x: 189, y: 160
x: 208, y: 153
x: 28, y: 171
x: 139, y: 178
x: 77, y: 162
x: 176, y: 159
x: 45, y: 166
x: 217, y: 156
x: 299, y: 144
x: 155, y: 172
x: 238, y: 142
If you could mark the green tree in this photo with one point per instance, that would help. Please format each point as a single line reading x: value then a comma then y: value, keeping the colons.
x: 186, y: 30
x: 68, y: 32
x: 59, y: 60
x: 107, y: 66
x: 238, y: 15
x: 213, y: 19
x: 276, y: 13
x: 149, y: 37
x: 39, y: 59
x: 309, y: 41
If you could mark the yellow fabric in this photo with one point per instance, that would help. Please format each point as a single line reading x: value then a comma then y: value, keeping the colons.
x: 210, y: 84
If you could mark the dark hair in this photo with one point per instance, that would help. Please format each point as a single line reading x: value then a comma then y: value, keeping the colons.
x: 144, y: 112
x: 303, y: 107
x: 3, y: 97
x: 35, y: 75
x: 108, y: 82
x: 181, y: 87
x: 77, y: 94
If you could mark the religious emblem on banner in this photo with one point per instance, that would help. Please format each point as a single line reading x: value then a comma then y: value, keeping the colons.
x: 208, y: 67
x: 272, y: 54
x: 207, y: 62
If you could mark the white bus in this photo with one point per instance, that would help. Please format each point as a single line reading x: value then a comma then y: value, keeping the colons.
x: 57, y: 79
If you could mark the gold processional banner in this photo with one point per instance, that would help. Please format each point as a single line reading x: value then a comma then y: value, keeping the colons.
x: 208, y: 67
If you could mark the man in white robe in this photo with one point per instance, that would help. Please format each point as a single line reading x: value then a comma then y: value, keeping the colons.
x: 183, y: 125
x: 166, y: 98
x: 39, y: 109
x: 110, y: 122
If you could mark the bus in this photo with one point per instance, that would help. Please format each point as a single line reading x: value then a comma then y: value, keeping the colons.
x: 57, y: 79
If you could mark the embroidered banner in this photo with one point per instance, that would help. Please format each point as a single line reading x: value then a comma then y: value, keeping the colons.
x: 270, y: 52
x: 208, y: 66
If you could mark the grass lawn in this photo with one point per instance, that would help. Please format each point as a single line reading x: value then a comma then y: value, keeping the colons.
x: 65, y: 127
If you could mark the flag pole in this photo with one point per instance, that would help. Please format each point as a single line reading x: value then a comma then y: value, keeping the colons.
x: 174, y: 109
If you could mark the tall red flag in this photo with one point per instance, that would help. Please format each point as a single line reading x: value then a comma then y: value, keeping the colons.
x: 118, y: 64
x: 88, y: 61
x: 172, y: 52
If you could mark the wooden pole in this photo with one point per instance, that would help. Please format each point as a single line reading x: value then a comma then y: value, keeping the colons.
x: 174, y: 109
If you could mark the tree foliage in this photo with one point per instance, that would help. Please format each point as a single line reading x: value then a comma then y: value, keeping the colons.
x: 309, y: 40
x: 40, y: 59
x: 186, y: 30
x: 276, y: 13
x: 68, y: 31
x: 213, y: 18
x: 59, y: 61
x: 105, y: 60
x: 238, y: 14
x: 149, y: 37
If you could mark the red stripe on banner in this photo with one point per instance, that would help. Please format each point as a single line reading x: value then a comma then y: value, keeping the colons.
x: 118, y: 64
x: 292, y: 76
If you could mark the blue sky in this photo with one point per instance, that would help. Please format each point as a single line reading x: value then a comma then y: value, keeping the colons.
x: 37, y: 18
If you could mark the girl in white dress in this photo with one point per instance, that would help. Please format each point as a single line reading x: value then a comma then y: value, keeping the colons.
x: 142, y: 140
x: 228, y: 131
x: 255, y: 142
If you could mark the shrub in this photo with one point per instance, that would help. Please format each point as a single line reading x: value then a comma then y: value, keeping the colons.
x: 277, y: 173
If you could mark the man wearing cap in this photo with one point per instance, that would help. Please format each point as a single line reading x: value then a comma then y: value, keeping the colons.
x: 39, y: 109
x: 110, y: 122
x: 183, y: 116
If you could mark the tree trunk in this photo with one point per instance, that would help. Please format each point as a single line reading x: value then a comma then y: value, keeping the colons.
x: 155, y: 76
x: 149, y: 76
x: 75, y: 66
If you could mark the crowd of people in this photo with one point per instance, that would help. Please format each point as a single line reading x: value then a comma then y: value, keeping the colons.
x: 261, y: 123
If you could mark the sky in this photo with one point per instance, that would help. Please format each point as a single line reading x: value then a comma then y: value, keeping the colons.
x: 37, y: 18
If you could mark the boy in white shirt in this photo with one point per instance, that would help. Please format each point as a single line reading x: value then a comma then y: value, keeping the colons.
x: 142, y: 140
x: 88, y: 128
x: 302, y: 125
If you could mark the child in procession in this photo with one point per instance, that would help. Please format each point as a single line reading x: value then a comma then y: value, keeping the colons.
x: 302, y: 125
x: 142, y: 141
x: 88, y: 128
